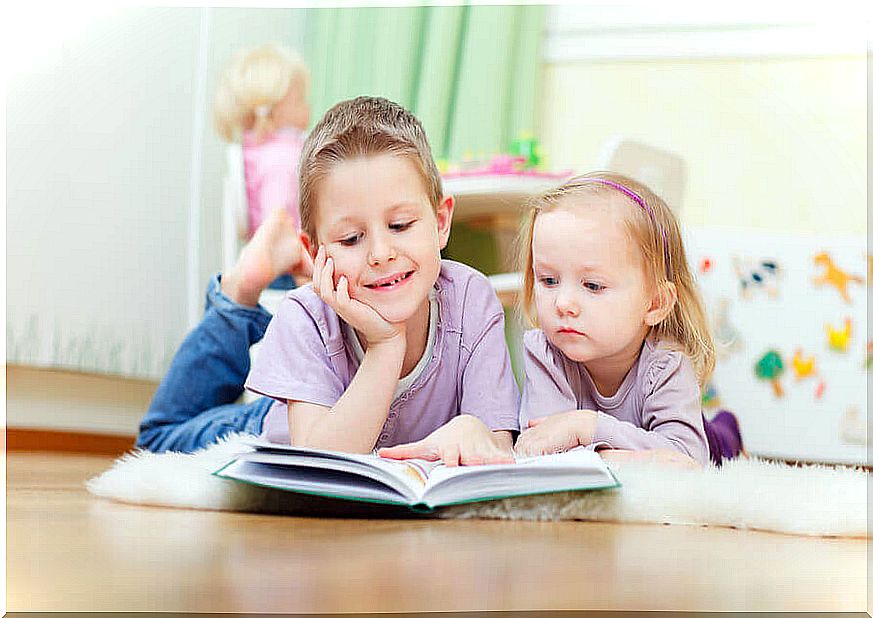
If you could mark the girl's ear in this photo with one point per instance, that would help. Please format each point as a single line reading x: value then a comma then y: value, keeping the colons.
x: 308, y: 244
x: 444, y: 219
x: 662, y: 304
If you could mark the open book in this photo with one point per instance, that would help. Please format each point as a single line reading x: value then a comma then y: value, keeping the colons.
x: 420, y: 485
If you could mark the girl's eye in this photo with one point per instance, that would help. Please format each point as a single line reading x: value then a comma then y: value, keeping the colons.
x: 399, y: 227
x: 349, y: 241
x: 548, y: 281
x: 594, y: 287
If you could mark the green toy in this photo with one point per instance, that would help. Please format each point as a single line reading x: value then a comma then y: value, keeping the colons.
x: 528, y: 147
x: 770, y: 367
x: 709, y: 398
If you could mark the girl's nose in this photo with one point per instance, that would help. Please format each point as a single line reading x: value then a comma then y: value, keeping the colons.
x: 381, y: 250
x: 566, y: 304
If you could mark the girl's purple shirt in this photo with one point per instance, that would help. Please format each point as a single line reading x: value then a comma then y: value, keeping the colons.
x: 657, y: 405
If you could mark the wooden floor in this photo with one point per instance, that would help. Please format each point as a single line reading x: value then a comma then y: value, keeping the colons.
x: 69, y: 551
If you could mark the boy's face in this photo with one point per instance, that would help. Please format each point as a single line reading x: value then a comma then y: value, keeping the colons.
x: 376, y: 222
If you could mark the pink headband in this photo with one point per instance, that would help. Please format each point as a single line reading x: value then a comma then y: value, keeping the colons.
x: 639, y: 200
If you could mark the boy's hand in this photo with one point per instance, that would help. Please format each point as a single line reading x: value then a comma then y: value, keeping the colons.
x: 557, y: 433
x: 360, y: 316
x: 464, y: 441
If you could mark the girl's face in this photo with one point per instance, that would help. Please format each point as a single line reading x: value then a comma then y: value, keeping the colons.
x: 376, y: 222
x: 591, y: 292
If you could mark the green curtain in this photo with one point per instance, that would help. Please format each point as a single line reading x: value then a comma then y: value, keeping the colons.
x: 470, y: 73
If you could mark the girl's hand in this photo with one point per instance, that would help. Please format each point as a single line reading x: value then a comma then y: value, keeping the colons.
x: 363, y: 318
x: 556, y: 433
x: 464, y: 441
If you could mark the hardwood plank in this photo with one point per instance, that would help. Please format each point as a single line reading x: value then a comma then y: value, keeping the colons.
x: 26, y: 439
x: 70, y: 551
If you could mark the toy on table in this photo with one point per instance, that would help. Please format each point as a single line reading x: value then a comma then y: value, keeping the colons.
x: 804, y: 367
x: 528, y: 148
x: 834, y: 276
x: 705, y: 265
x: 839, y: 339
x: 524, y: 158
x: 819, y: 389
x: 770, y: 367
x: 761, y: 274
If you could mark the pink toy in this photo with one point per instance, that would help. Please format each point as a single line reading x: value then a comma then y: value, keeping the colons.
x: 505, y: 165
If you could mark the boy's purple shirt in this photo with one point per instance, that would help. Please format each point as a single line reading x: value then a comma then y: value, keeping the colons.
x: 657, y: 405
x: 306, y: 357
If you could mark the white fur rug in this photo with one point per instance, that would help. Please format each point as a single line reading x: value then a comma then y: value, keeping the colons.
x: 744, y: 493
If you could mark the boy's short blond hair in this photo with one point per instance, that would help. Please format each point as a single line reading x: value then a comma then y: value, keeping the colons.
x: 363, y: 127
x: 255, y: 78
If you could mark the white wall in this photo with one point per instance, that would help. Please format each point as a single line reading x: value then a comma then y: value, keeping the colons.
x: 100, y: 131
x: 98, y: 165
x: 769, y: 111
x: 72, y: 401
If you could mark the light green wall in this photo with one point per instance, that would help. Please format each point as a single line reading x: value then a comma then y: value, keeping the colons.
x: 770, y: 143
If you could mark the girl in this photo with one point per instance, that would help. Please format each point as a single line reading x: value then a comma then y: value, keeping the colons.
x: 261, y: 101
x: 389, y: 344
x: 623, y: 342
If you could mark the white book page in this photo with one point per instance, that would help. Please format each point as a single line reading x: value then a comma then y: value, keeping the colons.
x: 322, y: 482
x: 411, y: 475
x: 580, y: 468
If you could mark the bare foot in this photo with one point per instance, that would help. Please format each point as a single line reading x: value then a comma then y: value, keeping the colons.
x: 275, y: 249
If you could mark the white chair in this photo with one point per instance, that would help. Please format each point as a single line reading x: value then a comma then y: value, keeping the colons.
x: 235, y: 219
x: 663, y: 171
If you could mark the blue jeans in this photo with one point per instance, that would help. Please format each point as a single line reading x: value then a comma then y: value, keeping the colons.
x: 195, y: 403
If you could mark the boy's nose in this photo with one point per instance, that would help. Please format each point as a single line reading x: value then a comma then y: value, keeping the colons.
x: 381, y: 250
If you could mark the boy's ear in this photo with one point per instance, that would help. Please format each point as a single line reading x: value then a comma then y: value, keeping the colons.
x: 444, y: 219
x: 662, y: 304
x: 308, y: 244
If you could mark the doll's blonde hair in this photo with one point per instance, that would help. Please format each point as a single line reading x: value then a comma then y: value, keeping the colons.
x: 654, y: 229
x: 254, y: 81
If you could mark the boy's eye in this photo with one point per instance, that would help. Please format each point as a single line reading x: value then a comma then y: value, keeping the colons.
x: 593, y: 287
x: 400, y: 226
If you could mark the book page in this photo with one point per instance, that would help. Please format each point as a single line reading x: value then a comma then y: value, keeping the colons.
x: 579, y: 468
x: 411, y: 474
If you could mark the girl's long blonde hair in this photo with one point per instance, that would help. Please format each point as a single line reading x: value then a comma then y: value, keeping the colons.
x: 656, y: 232
x: 254, y: 81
